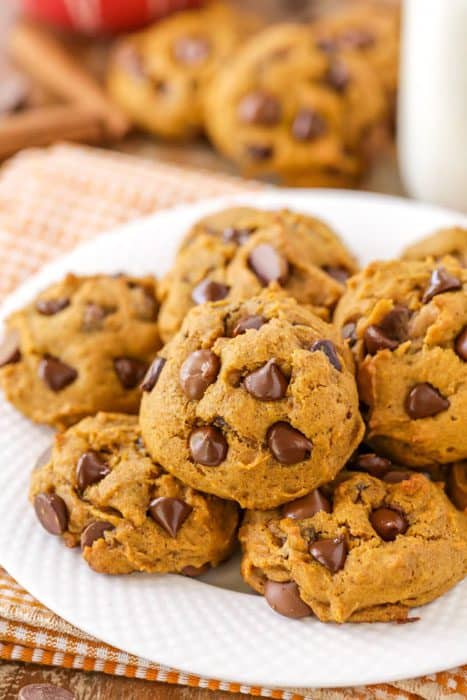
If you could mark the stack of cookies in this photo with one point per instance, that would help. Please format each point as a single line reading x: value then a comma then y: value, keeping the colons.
x: 321, y: 408
x: 303, y: 104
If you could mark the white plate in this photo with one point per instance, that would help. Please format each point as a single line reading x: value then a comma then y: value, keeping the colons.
x: 215, y: 627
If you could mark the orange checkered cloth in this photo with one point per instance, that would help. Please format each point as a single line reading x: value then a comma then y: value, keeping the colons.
x: 50, y: 200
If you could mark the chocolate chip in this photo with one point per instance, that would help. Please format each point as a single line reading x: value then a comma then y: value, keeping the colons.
x: 209, y: 290
x: 268, y: 265
x: 327, y: 43
x: 268, y: 383
x: 51, y: 512
x: 130, y: 372
x: 191, y: 49
x: 9, y: 349
x: 338, y: 76
x: 285, y: 599
x: 460, y: 345
x: 91, y: 469
x: 348, y: 332
x: 239, y: 236
x: 329, y: 349
x: 259, y: 107
x: 390, y: 332
x: 94, y: 315
x: 331, y: 553
x: 372, y: 463
x: 95, y: 531
x: 441, y: 281
x: 308, y: 125
x: 388, y: 523
x: 396, y: 476
x: 340, y: 274
x: 199, y: 370
x: 55, y: 373
x: 356, y: 39
x: 208, y: 446
x: 50, y: 307
x: 307, y: 506
x: 44, y: 691
x: 457, y: 485
x: 287, y: 444
x: 258, y: 151
x: 195, y: 571
x: 247, y: 323
x: 43, y: 459
x: 169, y: 513
x: 152, y: 375
x: 424, y: 401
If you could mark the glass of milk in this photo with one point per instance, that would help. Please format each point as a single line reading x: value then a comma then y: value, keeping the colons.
x: 432, y: 119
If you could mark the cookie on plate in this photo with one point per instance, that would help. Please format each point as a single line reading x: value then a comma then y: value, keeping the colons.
x: 101, y: 490
x: 157, y: 76
x: 407, y: 324
x: 254, y: 401
x: 236, y: 252
x: 447, y: 241
x: 366, y: 550
x: 371, y: 30
x: 282, y: 107
x: 83, y: 345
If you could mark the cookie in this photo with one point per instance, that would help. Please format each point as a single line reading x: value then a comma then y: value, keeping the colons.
x: 253, y: 401
x: 101, y: 490
x: 448, y: 241
x: 218, y: 257
x: 366, y: 550
x: 81, y: 346
x: 284, y: 108
x: 157, y: 76
x: 407, y: 324
x: 369, y: 29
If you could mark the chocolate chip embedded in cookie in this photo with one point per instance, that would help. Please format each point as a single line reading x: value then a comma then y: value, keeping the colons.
x: 83, y: 345
x: 158, y: 76
x: 256, y: 402
x: 405, y: 321
x: 100, y: 490
x: 360, y: 554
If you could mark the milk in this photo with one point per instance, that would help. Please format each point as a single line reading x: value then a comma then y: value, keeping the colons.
x: 432, y: 126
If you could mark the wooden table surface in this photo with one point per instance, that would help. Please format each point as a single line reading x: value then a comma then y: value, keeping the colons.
x: 96, y: 686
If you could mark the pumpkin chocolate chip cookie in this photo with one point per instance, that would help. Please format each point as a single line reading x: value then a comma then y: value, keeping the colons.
x: 285, y: 108
x: 365, y: 550
x: 82, y: 346
x: 253, y: 401
x: 236, y: 252
x: 406, y: 322
x: 100, y: 489
x: 158, y: 75
x: 448, y: 241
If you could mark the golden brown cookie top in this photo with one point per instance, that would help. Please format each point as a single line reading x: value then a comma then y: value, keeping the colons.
x: 237, y: 252
x: 255, y: 401
x: 282, y: 104
x: 447, y: 241
x: 358, y: 552
x: 100, y: 488
x: 82, y: 345
x: 407, y: 324
x: 157, y: 74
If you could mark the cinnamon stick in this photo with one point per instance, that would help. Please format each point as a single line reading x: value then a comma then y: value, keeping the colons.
x: 42, y: 126
x: 45, y: 59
